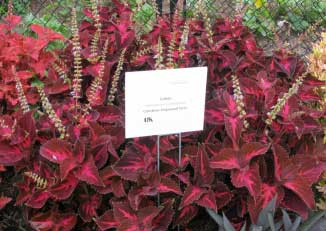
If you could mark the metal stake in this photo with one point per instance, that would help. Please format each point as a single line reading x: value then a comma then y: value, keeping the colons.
x: 180, y: 160
x: 180, y: 149
x: 158, y: 166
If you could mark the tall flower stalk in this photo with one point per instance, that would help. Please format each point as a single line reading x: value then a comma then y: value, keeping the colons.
x: 281, y: 101
x: 116, y: 77
x: 76, y: 49
x: 47, y: 106
x: 97, y: 23
x: 20, y: 91
x: 96, y: 85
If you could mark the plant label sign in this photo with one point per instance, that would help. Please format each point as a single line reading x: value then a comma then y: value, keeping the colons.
x: 163, y: 102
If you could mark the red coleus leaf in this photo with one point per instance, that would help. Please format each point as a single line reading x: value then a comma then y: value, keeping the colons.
x: 123, y: 33
x: 56, y: 151
x: 149, y: 183
x: 192, y: 194
x: 223, y: 195
x: 45, y: 33
x: 38, y: 199
x: 56, y: 87
x: 225, y: 159
x: 96, y: 131
x: 251, y: 150
x: 313, y: 82
x: 310, y: 168
x: 145, y: 145
x: 231, y: 105
x: 106, y: 221
x: 23, y: 75
x: 287, y: 65
x: 233, y: 127
x: 129, y: 226
x: 24, y: 193
x: 162, y: 221
x: 88, y: 207
x: 64, y: 189
x: 88, y: 172
x: 101, y: 154
x: 213, y: 114
x: 122, y: 212
x: 263, y: 82
x: 53, y: 220
x: 9, y: 155
x: 109, y: 114
x: 249, y: 86
x: 4, y: 201
x: 10, y: 54
x: 44, y: 61
x: 232, y: 159
x: 71, y: 163
x: 12, y: 21
x: 166, y: 144
x: 131, y: 220
x: 268, y: 192
x: 302, y: 188
x: 184, y: 177
x: 204, y: 175
x: 131, y: 164
x: 287, y: 173
x: 168, y: 185
x: 26, y: 124
x: 280, y: 156
x: 292, y: 202
x: 79, y: 151
x: 310, y: 95
x: 146, y: 216
x: 186, y: 215
x: 32, y: 48
x: 42, y: 222
x: 66, y: 166
x: 290, y: 107
x: 249, y: 178
x: 118, y: 187
x: 135, y: 197
x: 208, y: 200
x: 106, y: 175
x: 172, y: 158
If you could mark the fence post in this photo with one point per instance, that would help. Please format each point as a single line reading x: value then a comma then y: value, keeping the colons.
x: 173, y: 5
x: 160, y: 5
x: 169, y: 6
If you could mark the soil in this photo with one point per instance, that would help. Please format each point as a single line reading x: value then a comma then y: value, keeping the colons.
x: 203, y: 222
x: 11, y: 217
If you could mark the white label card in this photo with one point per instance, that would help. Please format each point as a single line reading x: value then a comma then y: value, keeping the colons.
x: 165, y: 102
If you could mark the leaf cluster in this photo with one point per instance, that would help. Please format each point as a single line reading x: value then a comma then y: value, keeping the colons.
x: 77, y: 171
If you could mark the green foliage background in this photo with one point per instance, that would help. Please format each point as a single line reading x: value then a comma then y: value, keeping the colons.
x: 299, y: 14
x: 53, y: 13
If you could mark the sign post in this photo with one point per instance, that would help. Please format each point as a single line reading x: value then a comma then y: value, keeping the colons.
x: 165, y: 102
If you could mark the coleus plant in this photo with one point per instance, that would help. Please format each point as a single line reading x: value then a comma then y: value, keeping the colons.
x: 78, y: 172
x: 23, y: 59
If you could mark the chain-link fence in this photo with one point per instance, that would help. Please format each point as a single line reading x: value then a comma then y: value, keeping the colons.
x: 271, y: 20
x: 292, y: 23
